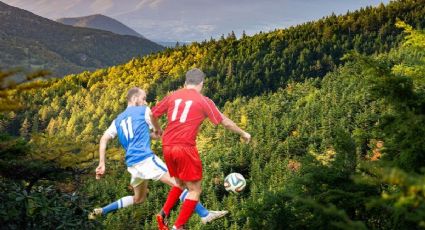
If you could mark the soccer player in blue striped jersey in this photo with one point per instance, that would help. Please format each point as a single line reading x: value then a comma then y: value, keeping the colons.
x: 132, y: 127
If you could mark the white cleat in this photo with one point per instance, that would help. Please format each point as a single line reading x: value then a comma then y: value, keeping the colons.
x: 95, y: 213
x: 213, y: 215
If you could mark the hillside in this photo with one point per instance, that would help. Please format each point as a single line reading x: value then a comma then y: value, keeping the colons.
x: 33, y: 42
x: 101, y: 22
x: 346, y: 150
x: 235, y: 68
x: 336, y: 109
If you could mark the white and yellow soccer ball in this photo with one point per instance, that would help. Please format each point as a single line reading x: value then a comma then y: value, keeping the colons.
x: 234, y: 182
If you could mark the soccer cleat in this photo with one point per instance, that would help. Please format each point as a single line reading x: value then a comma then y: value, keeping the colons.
x: 161, y: 218
x: 175, y: 228
x: 95, y: 213
x: 213, y: 215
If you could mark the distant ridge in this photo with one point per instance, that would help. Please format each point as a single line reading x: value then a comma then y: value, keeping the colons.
x: 33, y: 42
x: 172, y: 44
x: 101, y: 22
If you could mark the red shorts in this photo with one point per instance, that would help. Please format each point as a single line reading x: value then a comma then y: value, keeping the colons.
x: 183, y: 162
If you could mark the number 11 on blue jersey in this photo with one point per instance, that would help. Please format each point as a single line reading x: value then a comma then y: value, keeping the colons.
x: 127, y: 128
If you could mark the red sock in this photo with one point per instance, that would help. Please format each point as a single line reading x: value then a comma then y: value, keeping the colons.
x: 173, y: 197
x: 186, y: 211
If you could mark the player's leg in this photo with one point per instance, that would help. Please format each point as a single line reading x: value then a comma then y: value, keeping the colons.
x: 176, y: 187
x: 200, y: 209
x: 175, y: 191
x: 189, y: 203
x: 167, y: 179
x: 172, y: 198
x: 205, y: 214
x: 186, y: 157
x: 140, y: 191
x: 189, y: 173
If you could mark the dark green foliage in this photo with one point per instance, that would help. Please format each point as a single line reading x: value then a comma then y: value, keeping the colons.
x: 43, y: 207
x: 33, y: 192
x: 379, y: 197
x: 32, y: 187
x: 402, y: 95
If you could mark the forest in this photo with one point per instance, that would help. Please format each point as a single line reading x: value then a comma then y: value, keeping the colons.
x: 336, y: 108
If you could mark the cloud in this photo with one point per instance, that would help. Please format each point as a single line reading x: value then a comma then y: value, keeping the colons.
x: 206, y: 29
x: 148, y: 3
x: 102, y: 6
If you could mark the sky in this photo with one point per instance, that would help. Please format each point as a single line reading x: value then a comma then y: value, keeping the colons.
x: 196, y: 20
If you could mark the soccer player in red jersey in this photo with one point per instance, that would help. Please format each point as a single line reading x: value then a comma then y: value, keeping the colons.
x: 186, y: 109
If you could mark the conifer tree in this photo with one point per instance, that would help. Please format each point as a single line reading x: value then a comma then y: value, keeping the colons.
x: 25, y: 127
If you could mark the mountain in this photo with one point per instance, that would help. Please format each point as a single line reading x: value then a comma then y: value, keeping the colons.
x: 34, y: 42
x: 101, y: 22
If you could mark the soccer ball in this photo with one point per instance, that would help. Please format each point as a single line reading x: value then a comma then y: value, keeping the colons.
x: 234, y: 182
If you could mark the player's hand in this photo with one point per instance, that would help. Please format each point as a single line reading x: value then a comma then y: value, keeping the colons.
x: 246, y: 137
x: 100, y: 171
x: 158, y: 133
x: 155, y: 136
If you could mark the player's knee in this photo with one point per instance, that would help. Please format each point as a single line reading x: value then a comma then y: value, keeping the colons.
x: 139, y: 200
x: 196, y: 191
x: 180, y: 185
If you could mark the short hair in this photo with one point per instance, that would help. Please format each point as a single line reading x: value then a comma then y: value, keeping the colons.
x: 135, y: 91
x: 194, y: 77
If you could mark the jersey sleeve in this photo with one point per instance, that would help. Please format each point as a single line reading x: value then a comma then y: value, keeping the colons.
x: 148, y: 117
x: 212, y: 111
x: 112, y: 130
x: 161, y: 107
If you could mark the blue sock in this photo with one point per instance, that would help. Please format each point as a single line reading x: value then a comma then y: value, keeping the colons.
x: 110, y: 207
x: 199, y: 209
x: 121, y: 203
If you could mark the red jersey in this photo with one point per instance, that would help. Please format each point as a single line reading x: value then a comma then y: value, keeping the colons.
x: 186, y: 109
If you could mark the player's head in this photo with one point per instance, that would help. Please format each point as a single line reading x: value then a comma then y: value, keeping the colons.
x: 136, y: 96
x: 195, y: 78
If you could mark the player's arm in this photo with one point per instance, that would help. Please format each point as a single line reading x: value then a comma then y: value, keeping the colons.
x: 218, y: 118
x: 156, y: 113
x: 156, y: 126
x: 230, y: 125
x: 153, y: 124
x: 110, y: 133
x: 100, y: 170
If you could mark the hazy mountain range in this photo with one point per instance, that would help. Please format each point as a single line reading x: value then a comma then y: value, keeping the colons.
x: 100, y: 22
x: 196, y: 20
x: 34, y: 42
